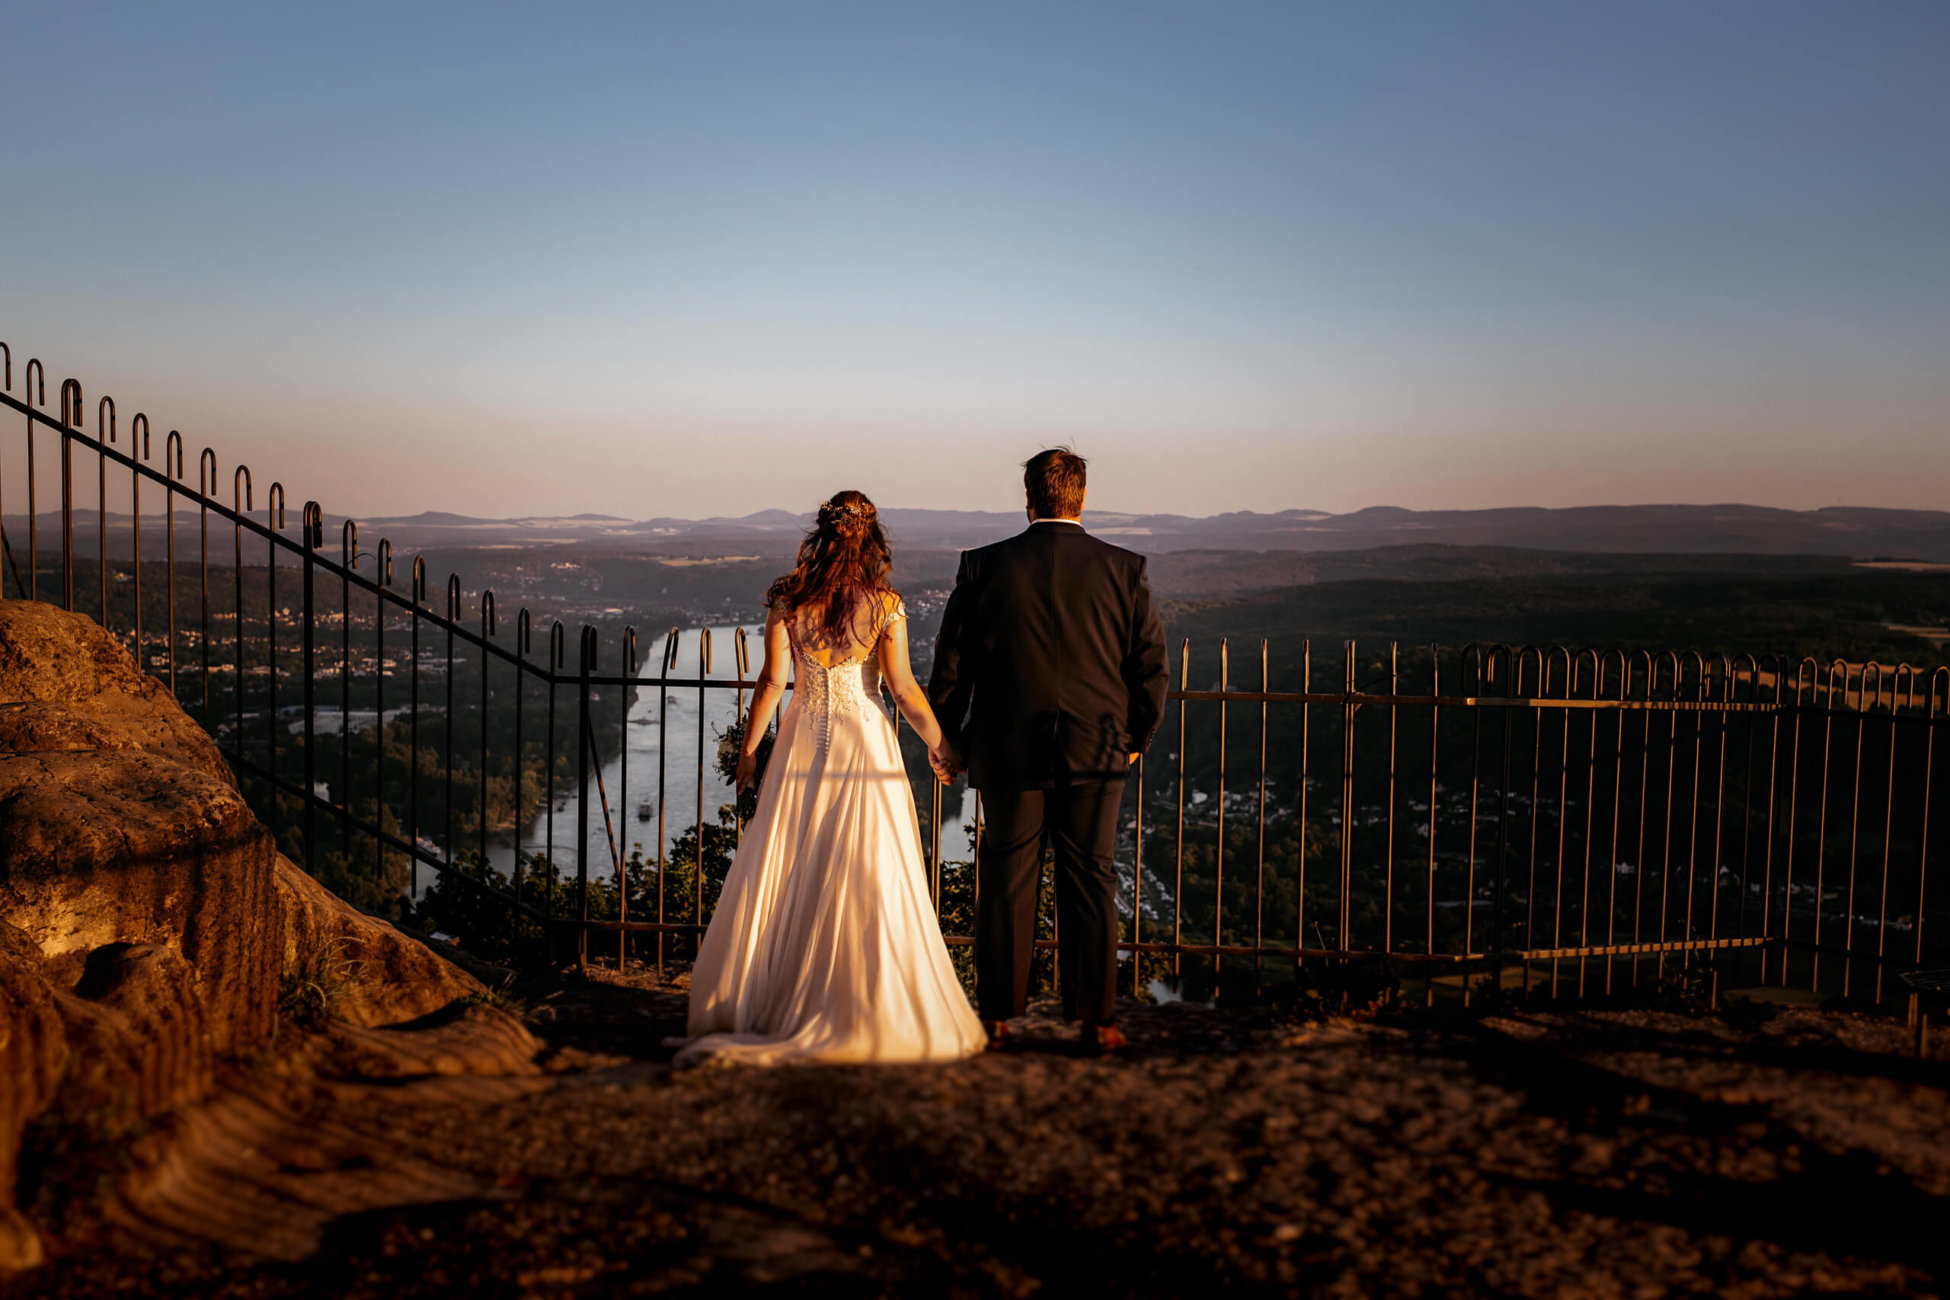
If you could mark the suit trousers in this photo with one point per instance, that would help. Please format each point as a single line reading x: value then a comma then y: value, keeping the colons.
x: 1079, y: 823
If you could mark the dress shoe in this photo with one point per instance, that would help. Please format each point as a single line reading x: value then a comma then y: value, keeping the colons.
x: 1104, y: 1040
x: 998, y: 1034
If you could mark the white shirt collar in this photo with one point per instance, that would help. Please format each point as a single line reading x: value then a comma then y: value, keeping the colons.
x: 1074, y: 522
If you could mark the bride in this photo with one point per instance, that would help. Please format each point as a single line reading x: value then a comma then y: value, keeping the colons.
x: 824, y: 945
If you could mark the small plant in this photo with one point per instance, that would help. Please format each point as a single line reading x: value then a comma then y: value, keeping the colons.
x: 502, y: 998
x: 731, y: 742
x: 1684, y: 986
x: 315, y: 982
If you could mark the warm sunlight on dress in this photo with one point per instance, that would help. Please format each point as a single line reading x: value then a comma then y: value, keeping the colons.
x: 824, y: 945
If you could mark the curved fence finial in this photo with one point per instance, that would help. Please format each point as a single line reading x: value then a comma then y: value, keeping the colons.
x: 1725, y: 666
x: 1868, y: 690
x: 1552, y: 657
x: 1577, y: 672
x: 1698, y: 664
x: 1807, y: 679
x: 1527, y: 654
x: 1614, y: 659
x: 1752, y: 672
x: 1671, y: 659
x: 1837, y: 681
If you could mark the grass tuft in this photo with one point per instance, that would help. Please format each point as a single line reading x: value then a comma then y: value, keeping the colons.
x: 317, y: 980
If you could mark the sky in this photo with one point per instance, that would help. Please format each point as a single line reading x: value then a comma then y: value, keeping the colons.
x: 701, y: 259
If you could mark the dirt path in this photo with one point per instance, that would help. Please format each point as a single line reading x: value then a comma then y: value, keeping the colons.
x: 1598, y: 1153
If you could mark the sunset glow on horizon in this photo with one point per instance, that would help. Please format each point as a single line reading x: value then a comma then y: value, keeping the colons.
x: 708, y: 260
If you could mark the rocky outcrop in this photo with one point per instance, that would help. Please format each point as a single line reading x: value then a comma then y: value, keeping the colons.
x: 147, y: 920
x: 384, y: 978
x: 33, y: 1055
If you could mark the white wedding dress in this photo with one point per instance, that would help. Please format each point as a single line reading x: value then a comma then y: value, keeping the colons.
x: 824, y: 945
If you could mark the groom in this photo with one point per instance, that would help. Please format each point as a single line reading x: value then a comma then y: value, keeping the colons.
x: 1049, y: 679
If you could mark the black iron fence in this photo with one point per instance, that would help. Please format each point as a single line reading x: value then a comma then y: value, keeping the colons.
x: 1570, y: 821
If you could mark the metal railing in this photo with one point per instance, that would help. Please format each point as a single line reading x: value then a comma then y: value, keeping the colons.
x: 1550, y: 814
x: 1483, y: 817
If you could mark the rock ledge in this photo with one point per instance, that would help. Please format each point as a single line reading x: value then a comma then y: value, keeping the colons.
x: 147, y: 920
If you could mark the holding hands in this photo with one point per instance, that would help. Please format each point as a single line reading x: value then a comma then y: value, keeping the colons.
x: 946, y: 762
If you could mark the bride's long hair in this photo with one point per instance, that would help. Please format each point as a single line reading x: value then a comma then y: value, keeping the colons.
x: 842, y: 564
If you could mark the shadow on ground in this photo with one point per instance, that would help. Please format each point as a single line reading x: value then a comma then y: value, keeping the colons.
x: 1629, y: 1153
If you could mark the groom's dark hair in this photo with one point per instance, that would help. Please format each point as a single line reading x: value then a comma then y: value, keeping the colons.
x: 1054, y: 481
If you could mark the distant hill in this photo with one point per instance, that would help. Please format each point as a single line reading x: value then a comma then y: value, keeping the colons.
x: 1854, y: 532
x: 1851, y: 613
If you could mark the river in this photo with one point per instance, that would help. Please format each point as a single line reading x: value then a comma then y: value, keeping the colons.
x: 636, y: 789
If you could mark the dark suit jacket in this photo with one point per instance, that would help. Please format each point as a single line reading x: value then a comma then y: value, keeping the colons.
x: 1050, y: 666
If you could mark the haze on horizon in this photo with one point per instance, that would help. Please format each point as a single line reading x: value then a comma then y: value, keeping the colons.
x: 647, y: 260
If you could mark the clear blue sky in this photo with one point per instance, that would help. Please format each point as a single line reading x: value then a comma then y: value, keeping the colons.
x: 710, y: 258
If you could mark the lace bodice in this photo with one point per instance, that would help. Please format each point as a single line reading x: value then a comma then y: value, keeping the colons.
x: 842, y: 689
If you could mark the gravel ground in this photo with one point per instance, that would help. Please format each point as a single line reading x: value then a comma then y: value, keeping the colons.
x: 1760, y: 1152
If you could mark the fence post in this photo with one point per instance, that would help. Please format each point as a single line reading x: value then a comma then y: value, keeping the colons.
x: 314, y: 529
x: 419, y: 585
x: 105, y: 434
x: 586, y: 662
x: 1345, y: 939
x: 70, y: 418
x: 36, y: 395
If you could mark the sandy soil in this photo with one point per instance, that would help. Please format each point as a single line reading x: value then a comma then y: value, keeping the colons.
x: 1757, y: 1152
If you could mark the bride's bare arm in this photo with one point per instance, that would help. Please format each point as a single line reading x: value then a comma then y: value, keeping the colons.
x: 771, y: 688
x: 898, y: 673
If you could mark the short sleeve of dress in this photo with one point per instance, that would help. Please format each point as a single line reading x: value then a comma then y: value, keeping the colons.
x: 893, y: 614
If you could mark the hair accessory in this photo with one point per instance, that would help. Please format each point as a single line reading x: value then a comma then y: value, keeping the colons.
x: 834, y: 511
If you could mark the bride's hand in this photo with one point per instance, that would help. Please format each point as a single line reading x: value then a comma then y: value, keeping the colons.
x: 747, y: 768
x: 945, y: 762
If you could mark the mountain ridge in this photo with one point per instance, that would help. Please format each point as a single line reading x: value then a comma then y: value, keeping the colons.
x: 1726, y: 527
x: 1859, y: 532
